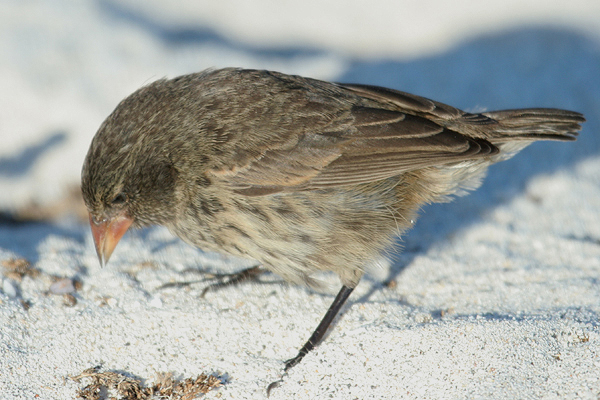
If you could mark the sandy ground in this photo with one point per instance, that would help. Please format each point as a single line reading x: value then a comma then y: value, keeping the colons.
x: 494, y: 296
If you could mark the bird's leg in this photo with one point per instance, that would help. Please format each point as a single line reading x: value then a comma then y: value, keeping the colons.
x: 224, y: 280
x: 233, y: 279
x: 318, y: 334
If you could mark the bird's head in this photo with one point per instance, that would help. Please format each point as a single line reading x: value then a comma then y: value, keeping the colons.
x: 128, y: 177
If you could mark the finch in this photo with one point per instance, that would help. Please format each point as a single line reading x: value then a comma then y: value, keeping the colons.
x: 298, y: 174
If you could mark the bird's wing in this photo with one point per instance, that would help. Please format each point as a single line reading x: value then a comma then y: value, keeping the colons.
x: 366, y: 144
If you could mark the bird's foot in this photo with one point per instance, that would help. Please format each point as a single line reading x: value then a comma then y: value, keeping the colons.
x: 222, y: 280
x: 226, y: 280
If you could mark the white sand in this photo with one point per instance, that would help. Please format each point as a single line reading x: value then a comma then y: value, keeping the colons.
x: 497, y: 293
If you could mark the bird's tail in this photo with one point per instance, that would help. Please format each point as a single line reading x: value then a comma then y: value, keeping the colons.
x: 533, y: 124
x: 509, y: 131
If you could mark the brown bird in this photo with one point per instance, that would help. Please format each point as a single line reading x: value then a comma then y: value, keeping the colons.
x: 298, y: 174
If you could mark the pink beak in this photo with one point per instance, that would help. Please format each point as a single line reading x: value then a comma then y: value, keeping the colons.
x: 107, y: 233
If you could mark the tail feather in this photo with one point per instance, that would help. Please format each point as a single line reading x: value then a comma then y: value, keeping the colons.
x: 535, y: 124
x: 510, y: 131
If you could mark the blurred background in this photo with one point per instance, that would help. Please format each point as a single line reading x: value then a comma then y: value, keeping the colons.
x: 65, y: 65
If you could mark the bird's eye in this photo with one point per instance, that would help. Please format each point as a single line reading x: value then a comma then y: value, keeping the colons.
x: 121, y: 198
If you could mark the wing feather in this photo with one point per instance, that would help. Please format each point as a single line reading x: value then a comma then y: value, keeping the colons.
x: 382, y: 134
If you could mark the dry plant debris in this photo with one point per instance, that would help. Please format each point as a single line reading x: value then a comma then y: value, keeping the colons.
x: 122, y: 387
x: 18, y: 268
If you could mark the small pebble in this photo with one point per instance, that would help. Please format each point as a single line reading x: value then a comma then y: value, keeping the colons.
x: 9, y: 288
x: 156, y: 302
x: 69, y: 300
x: 62, y: 286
